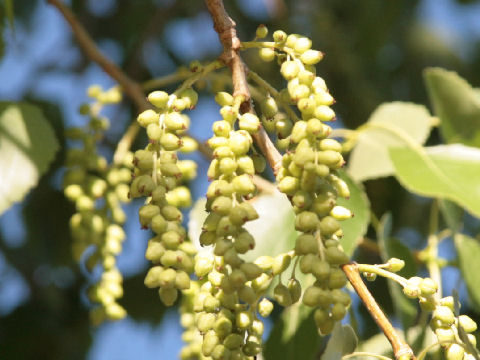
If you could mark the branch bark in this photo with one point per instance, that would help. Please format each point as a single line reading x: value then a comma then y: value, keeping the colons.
x: 225, y: 28
x: 400, y: 348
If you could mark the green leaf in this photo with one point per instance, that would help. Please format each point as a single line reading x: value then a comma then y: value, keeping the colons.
x: 355, y: 228
x: 342, y: 342
x: 294, y: 335
x: 468, y: 250
x: 444, y: 171
x: 27, y: 147
x: 405, y: 309
x: 457, y: 105
x: 390, y: 125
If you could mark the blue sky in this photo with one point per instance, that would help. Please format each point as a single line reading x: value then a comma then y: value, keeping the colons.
x: 48, y: 44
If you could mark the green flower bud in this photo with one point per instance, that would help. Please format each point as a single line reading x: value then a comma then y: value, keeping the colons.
x: 210, y: 341
x: 320, y: 269
x: 249, y: 122
x: 454, y: 352
x: 217, y: 141
x: 299, y: 131
x: 205, y: 322
x: 261, y: 283
x: 239, y: 143
x: 428, y: 287
x: 338, y: 311
x: 246, y: 165
x: 220, y: 352
x: 289, y: 69
x: 251, y: 348
x: 269, y: 107
x: 158, y: 99
x: 229, y: 114
x: 262, y: 31
x: 307, y: 262
x: 282, y: 295
x: 302, y: 45
x: 311, y: 57
x: 324, y: 113
x: 395, y: 264
x: 329, y: 226
x: 311, y: 296
x: 146, y: 213
x: 152, y: 279
x: 336, y: 256
x: 467, y: 323
x: 170, y: 142
x: 223, y: 98
x: 243, y: 184
x: 244, y: 242
x: 445, y: 334
x: 222, y: 205
x: 175, y: 121
x: 295, y: 290
x: 188, y: 145
x: 203, y: 264
x: 227, y: 166
x: 182, y: 280
x: 223, y: 327
x: 233, y: 341
x: 279, y: 36
x: 243, y: 320
x: 444, y: 314
x: 247, y: 295
x: 155, y: 251
x: 336, y: 279
x: 190, y: 96
x: 306, y: 244
x: 280, y: 263
x: 266, y: 54
x: 171, y: 213
x: 265, y: 307
x: 289, y: 185
x: 306, y: 221
x: 148, y: 117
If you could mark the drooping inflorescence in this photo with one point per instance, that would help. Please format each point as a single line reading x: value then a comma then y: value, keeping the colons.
x: 98, y: 190
x: 158, y: 176
x: 308, y: 175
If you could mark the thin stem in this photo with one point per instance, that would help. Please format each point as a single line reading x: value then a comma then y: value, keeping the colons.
x: 432, y: 263
x: 400, y: 348
x: 382, y: 272
x: 163, y: 81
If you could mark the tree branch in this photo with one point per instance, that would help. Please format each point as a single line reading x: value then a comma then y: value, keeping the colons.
x: 400, y: 348
x: 225, y: 27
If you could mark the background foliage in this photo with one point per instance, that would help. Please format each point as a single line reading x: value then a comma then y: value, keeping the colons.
x: 376, y: 52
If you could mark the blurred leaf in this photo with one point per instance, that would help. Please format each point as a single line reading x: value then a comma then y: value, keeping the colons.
x: 342, y: 342
x: 141, y: 303
x: 468, y: 250
x: 27, y: 147
x: 452, y: 214
x: 444, y: 171
x: 457, y: 105
x: 8, y: 4
x: 405, y: 309
x: 390, y: 125
x: 294, y: 335
x: 355, y: 228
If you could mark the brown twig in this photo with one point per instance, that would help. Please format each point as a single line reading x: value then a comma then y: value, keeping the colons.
x: 225, y: 27
x: 400, y: 347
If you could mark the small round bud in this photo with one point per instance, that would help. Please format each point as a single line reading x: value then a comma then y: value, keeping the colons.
x: 262, y: 31
x: 395, y: 264
x: 266, y: 54
x: 265, y: 307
